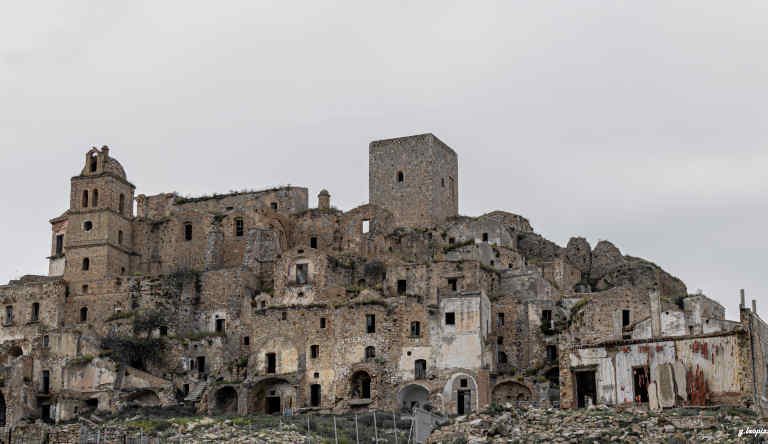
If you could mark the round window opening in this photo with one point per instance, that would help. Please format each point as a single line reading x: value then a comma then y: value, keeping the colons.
x: 88, y: 225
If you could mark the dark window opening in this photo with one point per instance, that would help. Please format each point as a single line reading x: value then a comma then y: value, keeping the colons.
x: 95, y: 198
x: 314, y: 395
x: 499, y: 320
x: 546, y: 318
x: 361, y: 385
x: 284, y: 315
x: 624, y: 318
x: 502, y: 358
x: 400, y: 176
x: 246, y: 340
x: 420, y: 369
x: 85, y: 199
x: 402, y: 285
x: 8, y: 314
x: 163, y: 330
x: 120, y: 237
x: 415, y: 329
x: 219, y: 325
x: 86, y: 264
x: 322, y: 322
x: 46, y: 382
x: 93, y: 163
x: 185, y: 389
x: 239, y: 227
x: 84, y: 314
x: 301, y: 273
x: 35, y: 312
x: 312, y: 242
x: 442, y: 182
x: 640, y: 380
x: 450, y: 318
x: 586, y: 388
x: 453, y: 283
x: 273, y: 205
x: 201, y: 364
x: 451, y: 240
x: 87, y: 225
x: 188, y: 231
x: 121, y: 204
x: 271, y: 363
x: 370, y: 323
x: 370, y: 352
x: 485, y: 237
x: 46, y: 341
x: 59, y: 244
x: 500, y: 340
x: 314, y: 351
x: 85, y: 288
x: 463, y: 382
x: 551, y: 353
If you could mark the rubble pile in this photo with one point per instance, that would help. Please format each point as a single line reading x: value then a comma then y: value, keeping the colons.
x: 599, y: 424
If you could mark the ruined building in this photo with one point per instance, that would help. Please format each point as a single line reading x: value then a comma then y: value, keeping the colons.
x: 255, y: 302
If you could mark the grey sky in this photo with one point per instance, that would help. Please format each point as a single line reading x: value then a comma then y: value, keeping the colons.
x: 642, y: 122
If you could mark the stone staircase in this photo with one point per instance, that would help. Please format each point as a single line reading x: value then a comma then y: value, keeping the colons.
x: 197, y: 392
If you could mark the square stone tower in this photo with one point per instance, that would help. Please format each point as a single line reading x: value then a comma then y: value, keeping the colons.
x: 415, y: 178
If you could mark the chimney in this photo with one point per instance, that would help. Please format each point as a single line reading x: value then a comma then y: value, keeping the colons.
x: 754, y: 306
x: 324, y: 200
x: 655, y: 304
x: 741, y: 300
x: 105, y: 151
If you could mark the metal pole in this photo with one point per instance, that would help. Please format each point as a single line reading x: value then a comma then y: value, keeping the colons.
x: 357, y: 434
x: 375, y: 430
x: 309, y: 439
x: 335, y: 434
x: 394, y: 425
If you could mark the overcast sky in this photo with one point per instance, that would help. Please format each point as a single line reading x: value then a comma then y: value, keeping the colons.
x: 641, y: 122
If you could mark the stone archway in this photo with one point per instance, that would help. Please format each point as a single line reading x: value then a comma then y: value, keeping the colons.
x: 510, y: 392
x: 411, y: 396
x: 360, y: 385
x: 225, y: 401
x: 460, y: 394
x: 271, y: 396
x: 145, y: 398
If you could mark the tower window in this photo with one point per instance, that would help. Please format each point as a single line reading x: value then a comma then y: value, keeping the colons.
x: 93, y: 163
x: 85, y: 198
x: 121, y: 204
x: 400, y: 176
x: 84, y: 314
x: 120, y: 237
x: 188, y: 231
x: 95, y: 198
x: 87, y: 225
x: 239, y: 227
x: 35, y: 312
x: 86, y: 264
x: 314, y: 351
x: 59, y: 244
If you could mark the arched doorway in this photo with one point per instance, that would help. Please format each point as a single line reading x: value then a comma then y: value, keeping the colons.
x: 360, y: 385
x: 145, y: 398
x: 412, y: 395
x: 272, y: 396
x: 511, y: 391
x: 225, y: 401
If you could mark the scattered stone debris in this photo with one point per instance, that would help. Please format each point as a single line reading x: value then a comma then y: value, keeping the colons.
x: 600, y: 424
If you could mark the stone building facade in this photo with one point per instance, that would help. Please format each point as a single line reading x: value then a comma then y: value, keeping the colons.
x: 255, y: 302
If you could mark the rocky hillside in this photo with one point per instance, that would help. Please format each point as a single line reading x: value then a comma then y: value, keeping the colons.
x: 598, y: 425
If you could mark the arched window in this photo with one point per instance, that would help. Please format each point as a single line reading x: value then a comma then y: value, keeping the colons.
x: 84, y: 314
x: 121, y: 204
x: 95, y: 198
x: 85, y: 198
x: 93, y: 162
x: 35, y: 312
x: 400, y: 176
x: 370, y: 352
x: 86, y: 264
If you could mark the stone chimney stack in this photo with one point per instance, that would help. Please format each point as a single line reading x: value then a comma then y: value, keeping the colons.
x: 754, y: 306
x: 324, y: 200
x: 105, y: 151
x: 742, y: 302
x: 654, y: 297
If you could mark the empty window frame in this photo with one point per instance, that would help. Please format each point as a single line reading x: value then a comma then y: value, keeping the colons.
x: 314, y: 351
x: 366, y: 226
x: 400, y: 176
x: 420, y: 369
x: 188, y: 231
x: 499, y: 320
x: 312, y: 242
x: 450, y: 318
x: 370, y: 352
x: 59, y: 244
x: 302, y: 271
x: 625, y: 318
x: 239, y: 227
x: 402, y: 286
x: 370, y: 323
x: 35, y: 315
x: 415, y: 329
x: 220, y: 325
x: 271, y: 361
x: 84, y: 314
x: 86, y: 264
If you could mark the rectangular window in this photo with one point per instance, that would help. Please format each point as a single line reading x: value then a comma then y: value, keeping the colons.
x: 366, y: 226
x: 59, y: 244
x: 239, y: 227
x: 402, y: 286
x: 271, y: 363
x: 499, y: 320
x: 273, y: 205
x: 551, y: 353
x: 546, y: 318
x: 8, y: 314
x: 301, y: 273
x: 322, y: 322
x: 246, y: 340
x: 415, y: 329
x: 314, y: 395
x: 314, y: 351
x: 313, y: 242
x: 219, y: 325
x: 188, y: 231
x: 450, y: 318
x: 370, y: 323
x: 454, y: 284
x: 624, y: 318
